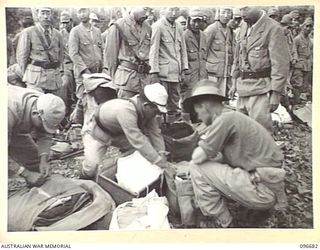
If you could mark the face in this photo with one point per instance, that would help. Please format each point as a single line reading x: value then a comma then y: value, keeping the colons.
x: 195, y: 24
x: 37, y: 122
x: 250, y: 14
x: 150, y: 110
x: 83, y: 15
x: 141, y: 14
x: 203, y: 113
x: 94, y: 23
x: 225, y: 15
x: 171, y: 14
x: 44, y: 17
x: 67, y: 26
x: 307, y: 29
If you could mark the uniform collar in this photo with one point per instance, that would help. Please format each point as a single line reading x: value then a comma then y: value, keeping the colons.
x: 166, y: 22
x: 43, y: 29
x: 87, y: 29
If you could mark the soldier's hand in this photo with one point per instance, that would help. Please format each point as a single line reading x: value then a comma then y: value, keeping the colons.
x: 183, y: 75
x: 45, y: 168
x: 233, y: 89
x: 155, y: 78
x: 34, y: 179
x: 274, y: 100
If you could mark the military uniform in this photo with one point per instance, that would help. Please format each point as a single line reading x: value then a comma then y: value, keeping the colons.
x: 123, y: 125
x: 263, y: 66
x: 22, y: 147
x: 301, y: 77
x: 220, y: 54
x: 126, y: 55
x: 39, y: 71
x: 69, y: 84
x: 168, y: 57
x: 85, y: 51
x: 197, y: 58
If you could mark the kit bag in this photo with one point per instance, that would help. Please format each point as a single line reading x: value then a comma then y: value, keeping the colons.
x: 180, y: 140
x: 59, y: 204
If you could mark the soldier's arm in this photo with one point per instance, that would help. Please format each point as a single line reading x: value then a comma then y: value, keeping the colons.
x: 61, y: 50
x: 155, y: 136
x: 210, y: 32
x: 111, y: 51
x: 280, y: 59
x: 129, y: 124
x: 23, y: 50
x: 184, y: 55
x: 154, y: 49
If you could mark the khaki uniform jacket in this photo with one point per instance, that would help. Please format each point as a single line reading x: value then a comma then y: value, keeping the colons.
x: 266, y: 47
x: 120, y: 117
x: 118, y: 50
x: 220, y: 49
x: 85, y: 49
x: 292, y: 48
x: 20, y: 101
x: 304, y: 50
x: 197, y: 57
x: 30, y: 48
x: 168, y: 53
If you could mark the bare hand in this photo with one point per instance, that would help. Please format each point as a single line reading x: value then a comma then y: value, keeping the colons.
x: 274, y: 100
x: 34, y: 179
x: 45, y: 168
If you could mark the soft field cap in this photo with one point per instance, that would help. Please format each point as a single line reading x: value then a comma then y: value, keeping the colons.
x: 65, y: 17
x: 92, y: 81
x: 158, y: 95
x: 196, y: 14
x: 52, y: 110
x: 93, y: 16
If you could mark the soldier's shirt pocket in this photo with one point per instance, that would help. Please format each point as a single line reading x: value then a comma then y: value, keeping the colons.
x: 132, y: 42
x: 166, y: 39
x: 217, y: 45
x: 258, y: 52
x: 192, y: 54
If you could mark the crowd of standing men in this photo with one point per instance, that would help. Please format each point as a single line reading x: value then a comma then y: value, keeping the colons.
x: 153, y: 69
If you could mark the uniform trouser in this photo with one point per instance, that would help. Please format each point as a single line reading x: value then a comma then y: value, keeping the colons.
x: 258, y: 108
x: 222, y: 83
x: 300, y: 82
x: 173, y: 90
x: 24, y: 151
x: 69, y: 87
x: 212, y: 180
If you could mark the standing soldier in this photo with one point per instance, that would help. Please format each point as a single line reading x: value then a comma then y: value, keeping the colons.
x: 295, y: 22
x: 94, y: 20
x: 301, y: 77
x: 40, y: 54
x: 126, y: 54
x: 183, y: 21
x: 168, y: 57
x: 196, y: 50
x: 69, y: 84
x: 85, y: 50
x: 263, y: 65
x: 220, y: 46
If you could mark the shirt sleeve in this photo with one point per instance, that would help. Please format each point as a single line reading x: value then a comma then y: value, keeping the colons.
x: 23, y: 50
x: 129, y: 124
x: 44, y: 142
x: 155, y: 136
x: 217, y: 135
x: 154, y: 49
x: 111, y: 51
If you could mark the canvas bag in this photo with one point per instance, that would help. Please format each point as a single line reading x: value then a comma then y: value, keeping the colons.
x: 25, y: 206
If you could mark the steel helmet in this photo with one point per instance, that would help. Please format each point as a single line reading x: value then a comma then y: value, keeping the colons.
x: 202, y: 88
x: 157, y: 95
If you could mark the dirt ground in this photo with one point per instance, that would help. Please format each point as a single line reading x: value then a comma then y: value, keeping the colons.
x: 296, y: 143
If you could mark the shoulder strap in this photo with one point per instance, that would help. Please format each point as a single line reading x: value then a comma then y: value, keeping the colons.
x: 139, y: 116
x: 46, y: 48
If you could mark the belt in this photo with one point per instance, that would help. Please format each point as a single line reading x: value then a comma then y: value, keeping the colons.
x: 255, y: 75
x: 140, y: 68
x: 46, y: 65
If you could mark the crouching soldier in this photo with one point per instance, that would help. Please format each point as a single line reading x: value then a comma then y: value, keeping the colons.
x: 251, y: 169
x: 30, y: 111
x: 122, y: 123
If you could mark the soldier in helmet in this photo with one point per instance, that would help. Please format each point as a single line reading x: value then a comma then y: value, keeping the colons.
x: 250, y: 171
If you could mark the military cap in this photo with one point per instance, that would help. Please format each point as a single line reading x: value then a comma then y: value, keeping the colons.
x: 273, y: 12
x: 286, y: 19
x: 196, y: 14
x: 65, y: 17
